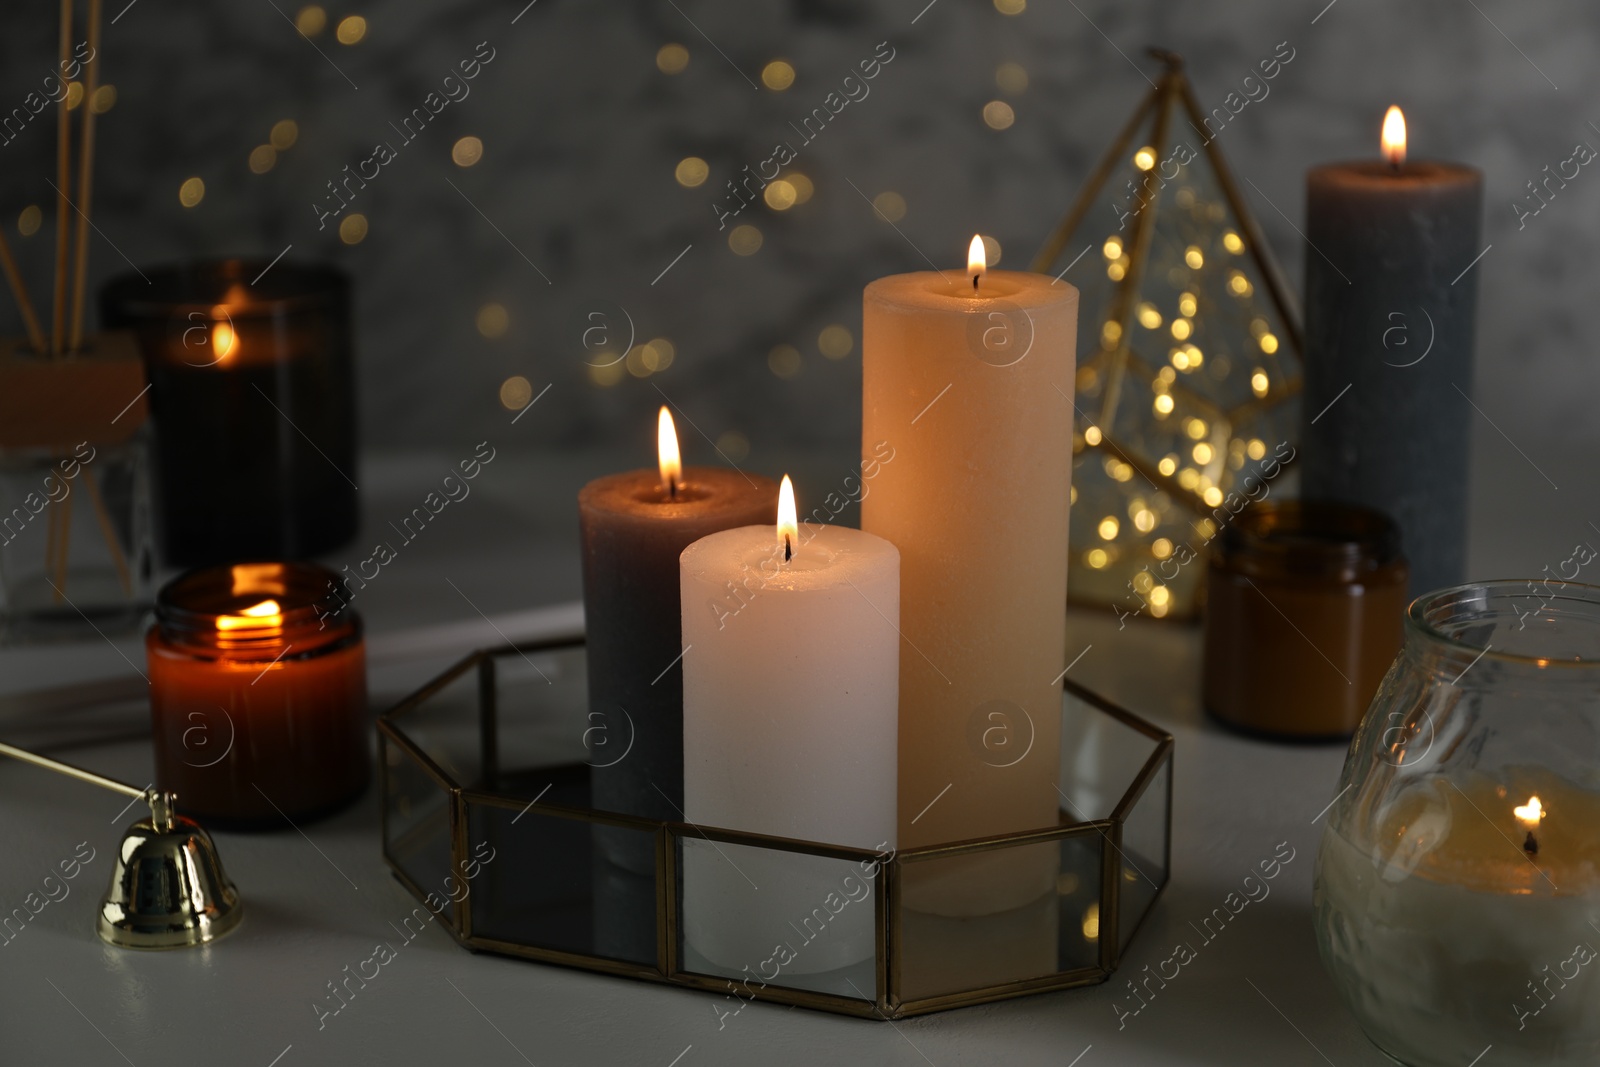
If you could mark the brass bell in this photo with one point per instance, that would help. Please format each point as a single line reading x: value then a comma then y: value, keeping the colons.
x: 168, y: 889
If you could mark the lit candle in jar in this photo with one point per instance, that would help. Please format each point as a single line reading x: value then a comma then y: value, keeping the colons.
x: 258, y: 695
x: 1469, y: 921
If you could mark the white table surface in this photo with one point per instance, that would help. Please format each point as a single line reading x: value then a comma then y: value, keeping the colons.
x: 319, y: 901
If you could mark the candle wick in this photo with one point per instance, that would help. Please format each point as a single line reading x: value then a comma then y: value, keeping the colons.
x: 975, y: 282
x: 1530, y: 844
x: 788, y: 549
x: 672, y: 489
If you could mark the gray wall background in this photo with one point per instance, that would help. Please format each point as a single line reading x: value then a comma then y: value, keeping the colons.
x: 582, y: 133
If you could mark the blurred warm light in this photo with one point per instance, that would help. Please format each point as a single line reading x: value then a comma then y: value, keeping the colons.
x: 891, y: 205
x: 1394, y: 136
x: 311, y: 20
x: 668, y: 460
x: 74, y: 94
x: 1168, y: 464
x: 353, y: 229
x: 1091, y: 923
x: 1091, y: 436
x: 263, y: 157
x: 640, y: 361
x: 1202, y: 453
x: 515, y: 392
x: 1256, y: 449
x: 191, y: 192
x: 1268, y: 343
x: 1181, y: 329
x: 672, y: 58
x: 1116, y: 271
x: 1162, y: 404
x: 1109, y: 528
x: 1233, y: 242
x: 467, y: 151
x: 493, y: 321
x: 784, y: 361
x: 1011, y: 77
x: 606, y: 374
x: 691, y: 171
x: 1258, y: 382
x: 660, y: 354
x: 997, y: 115
x: 1187, y: 305
x: 104, y: 99
x: 1145, y: 158
x: 285, y: 132
x: 991, y: 252
x: 734, y: 445
x: 744, y: 240
x: 1239, y: 284
x: 779, y: 195
x: 777, y: 75
x: 1161, y: 548
x: 1096, y: 558
x: 351, y: 29
x: 1195, y: 428
x: 802, y: 186
x: 28, y: 221
x: 1194, y: 257
x: 1149, y: 317
x: 1010, y: 7
x: 835, y: 341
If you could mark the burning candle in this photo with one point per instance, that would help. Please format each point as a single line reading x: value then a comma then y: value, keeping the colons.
x: 1391, y: 293
x: 791, y: 654
x: 1470, y: 920
x: 634, y: 526
x: 258, y: 695
x: 253, y: 392
x: 970, y: 379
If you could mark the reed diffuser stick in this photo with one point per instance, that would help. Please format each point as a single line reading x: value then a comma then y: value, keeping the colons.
x: 58, y: 307
x: 80, y: 257
x: 30, y: 318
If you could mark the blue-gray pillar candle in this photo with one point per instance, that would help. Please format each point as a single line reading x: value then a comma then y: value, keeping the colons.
x: 633, y: 531
x: 1390, y: 307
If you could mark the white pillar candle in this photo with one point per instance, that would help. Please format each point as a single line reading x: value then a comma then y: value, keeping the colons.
x: 790, y: 690
x: 969, y: 378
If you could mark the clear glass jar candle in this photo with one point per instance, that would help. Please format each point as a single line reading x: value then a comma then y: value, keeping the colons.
x: 258, y: 694
x: 1458, y: 882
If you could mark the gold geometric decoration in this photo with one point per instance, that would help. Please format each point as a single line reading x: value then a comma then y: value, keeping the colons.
x: 1189, y: 358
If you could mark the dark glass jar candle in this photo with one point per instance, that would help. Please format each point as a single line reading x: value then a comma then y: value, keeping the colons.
x: 253, y: 397
x: 1305, y: 606
x: 258, y: 694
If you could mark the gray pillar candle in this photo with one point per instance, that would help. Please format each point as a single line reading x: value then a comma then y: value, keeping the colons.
x: 1390, y: 304
x: 633, y: 532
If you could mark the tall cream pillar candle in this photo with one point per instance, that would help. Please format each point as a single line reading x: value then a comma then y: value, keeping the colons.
x: 972, y: 385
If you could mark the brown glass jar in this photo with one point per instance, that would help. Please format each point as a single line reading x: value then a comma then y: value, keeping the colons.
x: 1305, y: 606
x: 258, y: 694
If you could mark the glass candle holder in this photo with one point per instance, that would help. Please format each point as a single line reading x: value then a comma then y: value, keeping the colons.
x: 1304, y: 610
x: 258, y: 694
x: 252, y: 392
x: 1458, y: 881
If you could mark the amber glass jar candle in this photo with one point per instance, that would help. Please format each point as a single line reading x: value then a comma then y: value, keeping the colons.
x: 1305, y: 606
x: 258, y: 692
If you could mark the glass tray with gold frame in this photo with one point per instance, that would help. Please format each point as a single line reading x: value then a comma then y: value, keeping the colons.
x: 486, y: 819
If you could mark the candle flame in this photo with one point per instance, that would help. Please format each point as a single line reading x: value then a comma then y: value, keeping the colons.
x: 1394, y: 136
x: 257, y: 616
x: 788, y: 524
x: 223, y: 340
x: 977, y: 260
x: 667, y: 456
x: 1530, y: 813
